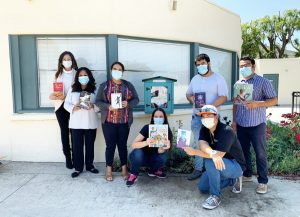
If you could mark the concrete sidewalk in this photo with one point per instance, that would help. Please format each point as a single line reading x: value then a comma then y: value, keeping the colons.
x: 47, y: 189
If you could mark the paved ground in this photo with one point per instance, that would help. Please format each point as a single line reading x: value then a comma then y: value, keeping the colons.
x: 46, y: 189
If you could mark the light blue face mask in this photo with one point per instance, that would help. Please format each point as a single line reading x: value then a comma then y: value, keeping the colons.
x: 246, y: 71
x: 158, y: 120
x: 202, y: 69
x: 116, y: 74
x: 83, y: 79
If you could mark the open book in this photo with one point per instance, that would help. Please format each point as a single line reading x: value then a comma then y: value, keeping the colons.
x: 183, y: 138
x: 243, y: 93
x: 158, y: 133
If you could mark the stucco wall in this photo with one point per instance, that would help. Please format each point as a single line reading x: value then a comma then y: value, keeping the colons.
x: 35, y: 137
x: 289, y: 76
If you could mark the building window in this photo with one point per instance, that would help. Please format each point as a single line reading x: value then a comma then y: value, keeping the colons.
x: 145, y: 59
x: 88, y: 51
x: 221, y: 62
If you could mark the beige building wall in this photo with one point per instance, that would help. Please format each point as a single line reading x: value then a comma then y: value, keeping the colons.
x: 289, y: 76
x: 35, y: 136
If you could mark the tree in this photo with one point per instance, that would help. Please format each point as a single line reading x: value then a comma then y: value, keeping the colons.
x: 268, y: 37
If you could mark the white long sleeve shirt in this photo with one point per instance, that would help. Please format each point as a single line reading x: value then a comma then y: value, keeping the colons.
x: 81, y: 119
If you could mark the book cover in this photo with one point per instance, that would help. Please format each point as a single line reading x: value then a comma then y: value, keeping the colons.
x: 200, y: 100
x: 159, y: 97
x: 85, y: 100
x: 183, y: 138
x: 116, y: 100
x: 58, y: 88
x: 158, y: 133
x: 243, y: 93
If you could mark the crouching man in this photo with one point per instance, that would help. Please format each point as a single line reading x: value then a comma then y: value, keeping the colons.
x: 223, y: 157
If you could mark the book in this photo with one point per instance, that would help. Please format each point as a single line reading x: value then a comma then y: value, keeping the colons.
x: 243, y: 93
x: 159, y: 97
x: 116, y: 100
x: 183, y: 138
x: 85, y: 100
x: 200, y: 99
x: 58, y: 88
x: 158, y: 133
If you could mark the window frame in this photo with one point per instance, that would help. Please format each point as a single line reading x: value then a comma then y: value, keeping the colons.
x: 25, y: 82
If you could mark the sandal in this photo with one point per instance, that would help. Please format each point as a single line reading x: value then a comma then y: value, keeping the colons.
x: 108, y: 174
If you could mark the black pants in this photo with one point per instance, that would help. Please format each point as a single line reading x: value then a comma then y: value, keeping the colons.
x: 63, y: 117
x: 257, y: 137
x: 115, y: 134
x: 83, y: 137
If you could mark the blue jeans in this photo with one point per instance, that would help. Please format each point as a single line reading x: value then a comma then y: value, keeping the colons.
x: 138, y: 159
x: 196, y: 125
x: 213, y: 180
x: 257, y: 137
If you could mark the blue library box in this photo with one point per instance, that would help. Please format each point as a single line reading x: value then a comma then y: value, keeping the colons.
x: 159, y: 92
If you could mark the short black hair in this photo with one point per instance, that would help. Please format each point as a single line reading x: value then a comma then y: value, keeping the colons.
x: 249, y: 59
x: 118, y: 63
x: 202, y: 56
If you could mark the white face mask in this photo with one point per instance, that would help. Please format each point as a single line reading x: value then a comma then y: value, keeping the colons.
x: 208, y: 122
x: 67, y: 64
x: 116, y: 74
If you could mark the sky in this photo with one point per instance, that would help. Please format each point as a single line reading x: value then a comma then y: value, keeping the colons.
x: 255, y: 9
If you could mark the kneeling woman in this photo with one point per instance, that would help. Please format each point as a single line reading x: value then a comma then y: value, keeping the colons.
x: 83, y: 119
x: 144, y: 155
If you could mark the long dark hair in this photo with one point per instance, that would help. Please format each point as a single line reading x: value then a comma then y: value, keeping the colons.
x: 90, y: 86
x: 117, y: 63
x: 60, y: 66
x: 170, y: 134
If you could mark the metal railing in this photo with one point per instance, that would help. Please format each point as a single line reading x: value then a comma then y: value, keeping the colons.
x: 296, y: 102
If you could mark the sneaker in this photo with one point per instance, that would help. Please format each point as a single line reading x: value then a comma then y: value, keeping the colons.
x: 262, y: 188
x: 212, y: 202
x: 194, y: 175
x: 159, y: 174
x: 237, y: 187
x: 131, y: 180
x: 247, y: 178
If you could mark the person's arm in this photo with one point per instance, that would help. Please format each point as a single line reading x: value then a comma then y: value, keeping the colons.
x: 138, y: 142
x: 266, y: 103
x: 233, y: 124
x: 220, y: 101
x: 101, y: 99
x: 135, y: 98
x: 68, y: 105
x: 222, y: 92
x: 190, y: 98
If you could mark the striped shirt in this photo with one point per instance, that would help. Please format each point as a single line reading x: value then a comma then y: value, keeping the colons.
x: 262, y: 90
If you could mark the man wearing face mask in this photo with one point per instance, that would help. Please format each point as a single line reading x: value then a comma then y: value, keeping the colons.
x: 250, y: 121
x: 224, y: 160
x: 212, y: 88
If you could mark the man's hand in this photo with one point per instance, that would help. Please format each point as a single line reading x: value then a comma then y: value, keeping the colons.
x: 252, y: 105
x: 219, y: 163
x: 189, y: 150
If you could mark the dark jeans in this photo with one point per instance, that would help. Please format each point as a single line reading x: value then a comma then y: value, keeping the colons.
x: 83, y: 137
x: 115, y: 135
x: 257, y: 137
x: 63, y: 117
x: 139, y: 159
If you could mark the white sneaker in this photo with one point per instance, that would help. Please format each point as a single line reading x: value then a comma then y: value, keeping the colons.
x: 262, y: 188
x: 237, y: 187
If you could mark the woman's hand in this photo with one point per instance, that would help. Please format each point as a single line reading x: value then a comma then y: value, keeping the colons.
x: 189, y: 150
x: 167, y: 144
x: 150, y: 142
x: 124, y: 104
x: 76, y: 108
x: 110, y: 108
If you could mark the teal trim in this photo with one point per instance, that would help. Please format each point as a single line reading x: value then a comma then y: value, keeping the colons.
x: 151, y: 39
x: 15, y: 72
x: 111, y: 52
x: 235, y: 73
x: 194, y: 52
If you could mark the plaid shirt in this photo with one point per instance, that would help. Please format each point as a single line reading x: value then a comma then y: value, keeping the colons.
x: 262, y: 90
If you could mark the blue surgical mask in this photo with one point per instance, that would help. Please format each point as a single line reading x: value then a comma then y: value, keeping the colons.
x: 116, y: 74
x: 246, y: 71
x: 202, y: 69
x: 158, y: 120
x: 83, y: 79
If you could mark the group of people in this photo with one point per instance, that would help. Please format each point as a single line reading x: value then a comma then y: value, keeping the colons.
x: 222, y: 152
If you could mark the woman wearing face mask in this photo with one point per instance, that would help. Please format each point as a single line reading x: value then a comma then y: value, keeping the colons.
x: 83, y: 119
x: 65, y: 73
x: 142, y: 154
x: 116, y: 122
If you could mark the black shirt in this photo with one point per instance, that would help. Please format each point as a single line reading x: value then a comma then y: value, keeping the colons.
x: 224, y: 140
x: 145, y: 132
